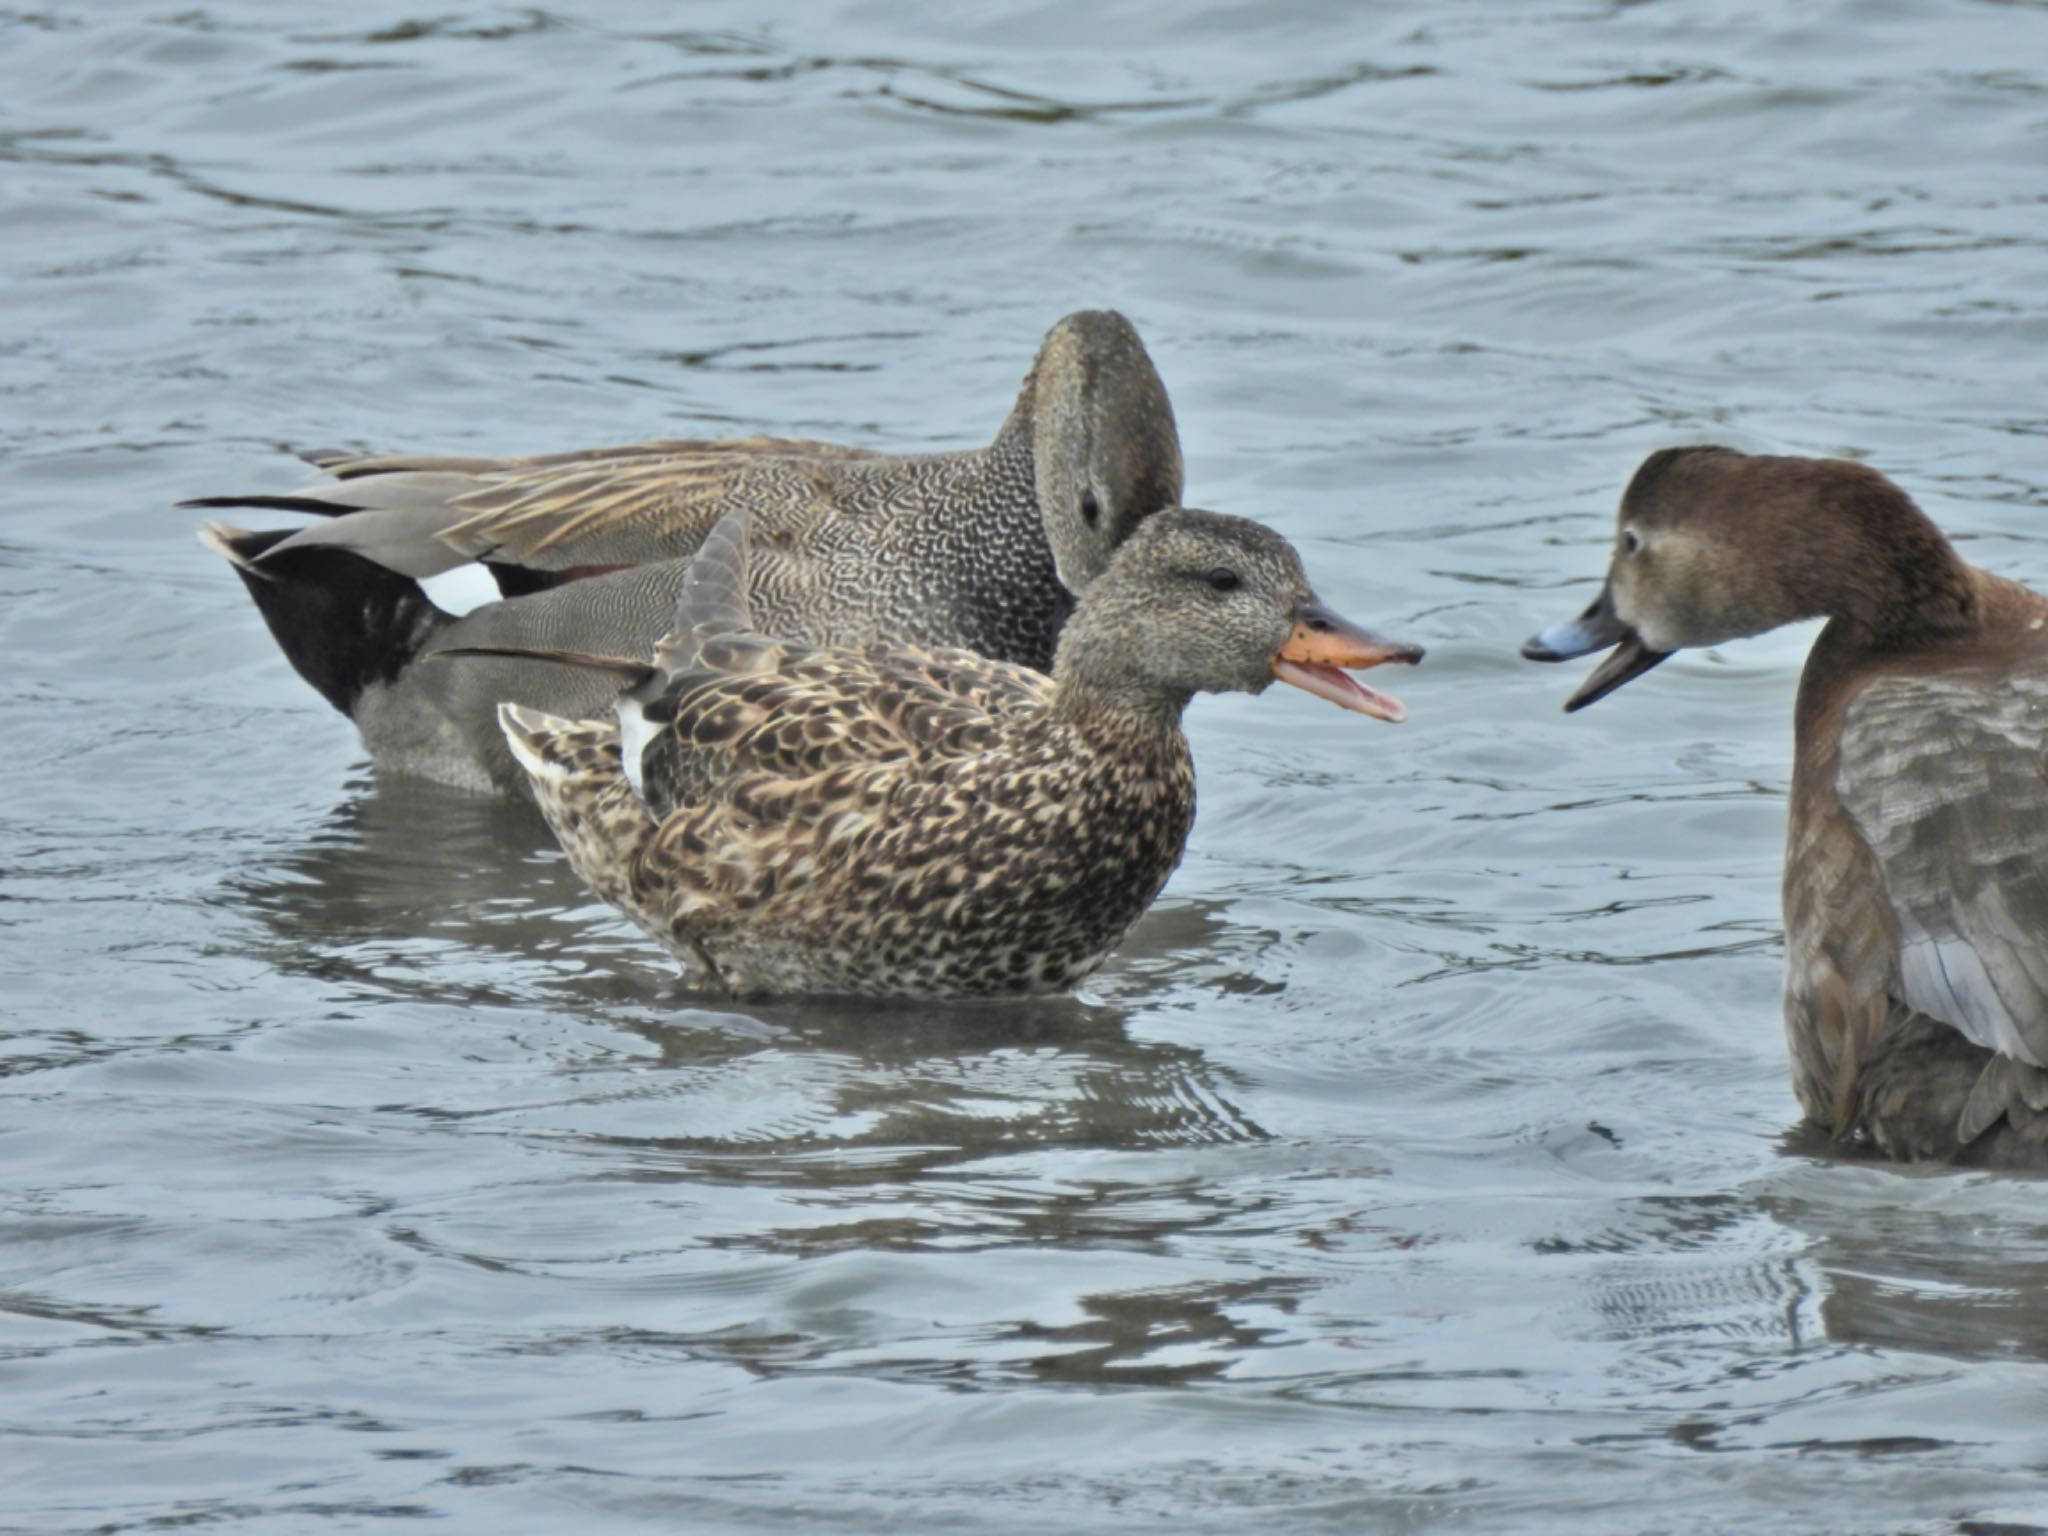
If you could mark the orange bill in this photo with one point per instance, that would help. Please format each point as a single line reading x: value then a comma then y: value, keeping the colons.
x: 1323, y: 645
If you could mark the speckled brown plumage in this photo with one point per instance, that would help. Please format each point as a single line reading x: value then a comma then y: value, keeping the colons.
x: 979, y: 549
x: 884, y: 820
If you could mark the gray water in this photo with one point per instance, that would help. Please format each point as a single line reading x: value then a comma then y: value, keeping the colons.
x: 1422, y: 1162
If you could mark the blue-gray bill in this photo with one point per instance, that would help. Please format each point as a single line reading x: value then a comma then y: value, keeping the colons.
x: 1598, y: 626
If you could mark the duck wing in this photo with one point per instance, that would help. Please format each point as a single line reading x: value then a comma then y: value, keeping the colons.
x: 625, y: 506
x: 738, y: 715
x: 421, y: 514
x: 1946, y: 778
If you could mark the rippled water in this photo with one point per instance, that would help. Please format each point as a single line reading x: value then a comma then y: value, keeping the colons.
x: 1421, y: 1164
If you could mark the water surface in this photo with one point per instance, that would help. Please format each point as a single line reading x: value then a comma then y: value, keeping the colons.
x: 1421, y: 1164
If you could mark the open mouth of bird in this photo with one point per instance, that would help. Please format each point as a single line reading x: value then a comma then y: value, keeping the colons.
x: 1321, y: 649
x: 1597, y: 627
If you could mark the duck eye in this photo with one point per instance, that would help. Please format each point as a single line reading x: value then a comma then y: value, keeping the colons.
x: 1091, y: 509
x: 1223, y: 579
x: 1630, y: 542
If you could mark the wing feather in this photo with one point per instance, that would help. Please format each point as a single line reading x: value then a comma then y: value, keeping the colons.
x: 754, y: 714
x: 1946, y: 778
x: 629, y: 505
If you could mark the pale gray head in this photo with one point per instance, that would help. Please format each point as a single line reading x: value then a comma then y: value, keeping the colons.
x: 1714, y: 545
x: 1196, y: 602
x: 1104, y: 447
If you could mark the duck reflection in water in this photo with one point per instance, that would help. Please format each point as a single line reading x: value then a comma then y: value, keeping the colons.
x: 414, y: 892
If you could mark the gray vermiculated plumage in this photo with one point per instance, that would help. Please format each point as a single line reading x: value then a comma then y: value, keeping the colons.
x: 978, y: 549
x: 891, y: 821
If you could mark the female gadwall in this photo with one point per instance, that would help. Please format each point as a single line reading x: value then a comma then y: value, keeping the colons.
x: 978, y: 549
x: 1916, y: 867
x: 893, y: 821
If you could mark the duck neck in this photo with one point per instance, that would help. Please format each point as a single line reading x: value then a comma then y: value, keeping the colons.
x: 1008, y: 468
x: 1013, y: 438
x: 975, y: 517
x: 1114, y: 710
x: 1880, y: 570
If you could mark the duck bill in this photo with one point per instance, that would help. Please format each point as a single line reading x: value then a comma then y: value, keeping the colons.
x: 1599, y: 626
x: 1626, y: 662
x: 1323, y: 645
x: 1594, y: 630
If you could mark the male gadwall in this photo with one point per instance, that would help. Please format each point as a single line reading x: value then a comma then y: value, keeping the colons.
x: 1916, y: 867
x: 980, y: 548
x: 902, y: 822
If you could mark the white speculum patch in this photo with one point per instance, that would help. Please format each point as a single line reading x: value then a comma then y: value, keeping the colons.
x: 635, y: 732
x: 462, y: 590
x: 1968, y: 985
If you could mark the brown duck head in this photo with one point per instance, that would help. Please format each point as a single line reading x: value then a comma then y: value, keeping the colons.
x: 1713, y: 545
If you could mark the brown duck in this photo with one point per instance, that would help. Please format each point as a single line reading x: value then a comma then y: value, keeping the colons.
x: 1916, y: 867
x: 897, y: 821
x: 980, y: 549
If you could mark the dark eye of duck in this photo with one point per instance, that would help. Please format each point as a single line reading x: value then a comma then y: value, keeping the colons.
x: 1091, y: 509
x: 1223, y: 579
x: 1630, y: 543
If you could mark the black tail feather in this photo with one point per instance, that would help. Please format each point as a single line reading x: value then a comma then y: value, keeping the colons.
x: 524, y: 581
x: 636, y: 672
x: 344, y: 623
x: 310, y: 504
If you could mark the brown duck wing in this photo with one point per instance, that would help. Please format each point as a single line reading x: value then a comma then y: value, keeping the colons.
x: 606, y: 506
x: 760, y: 719
x: 738, y: 712
x: 1946, y: 777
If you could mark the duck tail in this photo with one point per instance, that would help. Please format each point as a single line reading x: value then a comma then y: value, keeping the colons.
x: 2009, y: 1090
x: 633, y: 672
x: 418, y: 484
x: 344, y: 622
x: 327, y: 500
x: 579, y: 781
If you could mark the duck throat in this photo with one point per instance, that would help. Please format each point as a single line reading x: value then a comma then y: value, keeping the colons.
x: 1116, y: 711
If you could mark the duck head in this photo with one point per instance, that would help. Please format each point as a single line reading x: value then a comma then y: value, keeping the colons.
x: 1196, y: 602
x: 1713, y: 545
x: 1104, y: 448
